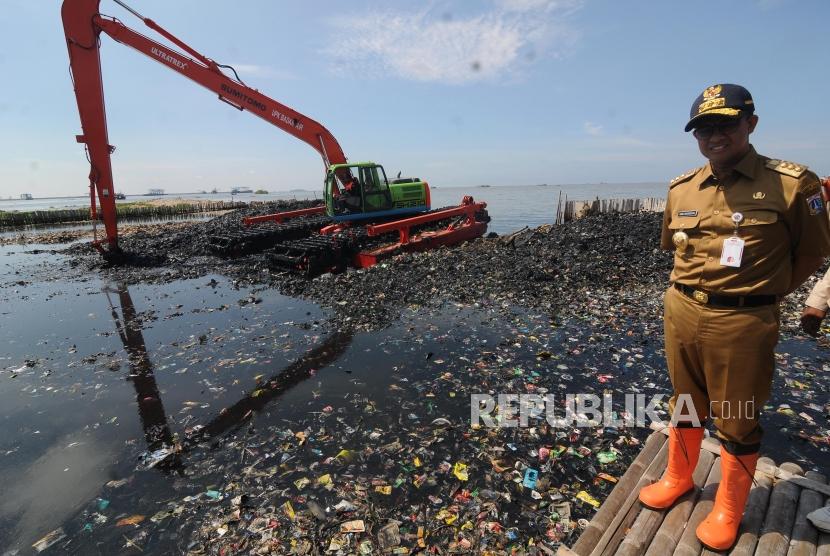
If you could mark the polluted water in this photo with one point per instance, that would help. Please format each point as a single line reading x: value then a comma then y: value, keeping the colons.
x: 191, y: 404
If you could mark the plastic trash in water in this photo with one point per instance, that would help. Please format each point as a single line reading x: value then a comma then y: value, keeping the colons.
x: 587, y: 498
x: 531, y: 475
x: 54, y: 537
x: 460, y: 471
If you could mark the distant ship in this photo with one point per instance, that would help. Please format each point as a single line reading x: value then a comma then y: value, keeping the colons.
x: 155, y: 192
x: 484, y: 186
x: 238, y: 190
x: 120, y: 196
x: 26, y: 196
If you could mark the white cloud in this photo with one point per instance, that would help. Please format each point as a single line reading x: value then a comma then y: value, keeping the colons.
x: 592, y: 128
x: 430, y: 45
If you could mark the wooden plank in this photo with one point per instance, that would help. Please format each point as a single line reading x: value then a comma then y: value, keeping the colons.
x: 805, y: 535
x: 609, y: 509
x: 626, y: 514
x: 778, y: 525
x: 666, y: 538
x: 688, y: 545
x: 756, y: 509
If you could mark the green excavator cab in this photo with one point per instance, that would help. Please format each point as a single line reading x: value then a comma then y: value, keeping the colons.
x: 361, y: 191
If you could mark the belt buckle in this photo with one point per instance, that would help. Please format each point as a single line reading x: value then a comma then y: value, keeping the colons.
x: 701, y: 297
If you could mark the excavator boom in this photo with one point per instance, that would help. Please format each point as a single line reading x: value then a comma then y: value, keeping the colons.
x: 83, y: 25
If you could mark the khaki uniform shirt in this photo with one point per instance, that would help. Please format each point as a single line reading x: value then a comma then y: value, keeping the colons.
x: 783, y: 217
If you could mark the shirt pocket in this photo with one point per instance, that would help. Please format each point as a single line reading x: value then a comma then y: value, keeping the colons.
x: 759, y: 218
x: 687, y: 223
x: 760, y: 232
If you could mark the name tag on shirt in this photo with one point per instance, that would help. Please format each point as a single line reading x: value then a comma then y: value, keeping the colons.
x: 733, y: 250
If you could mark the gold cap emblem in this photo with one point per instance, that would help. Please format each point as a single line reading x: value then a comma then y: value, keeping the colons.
x: 758, y: 195
x: 712, y: 92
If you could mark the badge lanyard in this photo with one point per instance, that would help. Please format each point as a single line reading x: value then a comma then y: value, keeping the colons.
x: 733, y: 246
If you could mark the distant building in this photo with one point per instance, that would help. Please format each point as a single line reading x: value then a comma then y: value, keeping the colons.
x: 26, y: 196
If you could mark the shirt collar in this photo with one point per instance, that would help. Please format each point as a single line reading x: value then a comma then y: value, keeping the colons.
x: 746, y: 166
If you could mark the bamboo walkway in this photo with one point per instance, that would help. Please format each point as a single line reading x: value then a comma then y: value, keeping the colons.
x: 774, y: 522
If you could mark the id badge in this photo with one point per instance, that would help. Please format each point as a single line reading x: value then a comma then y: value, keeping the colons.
x: 733, y: 250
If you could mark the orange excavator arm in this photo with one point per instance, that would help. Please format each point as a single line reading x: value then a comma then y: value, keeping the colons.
x: 83, y: 25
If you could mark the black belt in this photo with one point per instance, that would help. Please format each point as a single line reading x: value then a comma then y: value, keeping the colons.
x: 705, y: 298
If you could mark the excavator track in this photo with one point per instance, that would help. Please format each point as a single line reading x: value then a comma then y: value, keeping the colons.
x: 319, y: 253
x: 244, y: 241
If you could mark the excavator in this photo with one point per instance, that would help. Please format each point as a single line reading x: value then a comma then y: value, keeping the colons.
x: 365, y: 217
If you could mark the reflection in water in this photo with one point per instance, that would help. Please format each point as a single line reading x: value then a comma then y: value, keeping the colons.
x: 150, y: 408
x: 318, y: 358
x: 39, y: 497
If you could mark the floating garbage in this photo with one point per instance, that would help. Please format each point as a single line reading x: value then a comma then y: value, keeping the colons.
x: 52, y: 538
x: 352, y: 433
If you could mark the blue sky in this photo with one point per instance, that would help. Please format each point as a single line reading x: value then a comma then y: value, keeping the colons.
x: 504, y: 92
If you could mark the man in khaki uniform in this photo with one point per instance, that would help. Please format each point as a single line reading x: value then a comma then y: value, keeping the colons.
x: 746, y: 231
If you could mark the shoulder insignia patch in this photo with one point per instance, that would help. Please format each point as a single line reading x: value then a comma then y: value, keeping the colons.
x: 787, y: 168
x: 815, y: 204
x: 683, y: 177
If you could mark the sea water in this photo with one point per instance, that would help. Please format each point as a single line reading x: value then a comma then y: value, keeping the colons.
x: 510, y: 207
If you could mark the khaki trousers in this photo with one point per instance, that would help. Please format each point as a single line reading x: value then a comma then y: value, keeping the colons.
x: 723, y: 358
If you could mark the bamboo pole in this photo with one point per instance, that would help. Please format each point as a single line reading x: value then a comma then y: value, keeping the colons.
x: 823, y: 546
x: 611, y: 507
x: 778, y: 524
x: 63, y: 216
x: 756, y: 509
x: 574, y: 209
x: 689, y: 545
x: 805, y: 535
x: 613, y: 535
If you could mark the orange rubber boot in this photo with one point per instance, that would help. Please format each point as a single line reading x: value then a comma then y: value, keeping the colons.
x: 719, y: 529
x: 684, y: 450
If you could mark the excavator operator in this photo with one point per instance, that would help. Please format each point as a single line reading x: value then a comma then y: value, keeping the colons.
x: 349, y: 200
